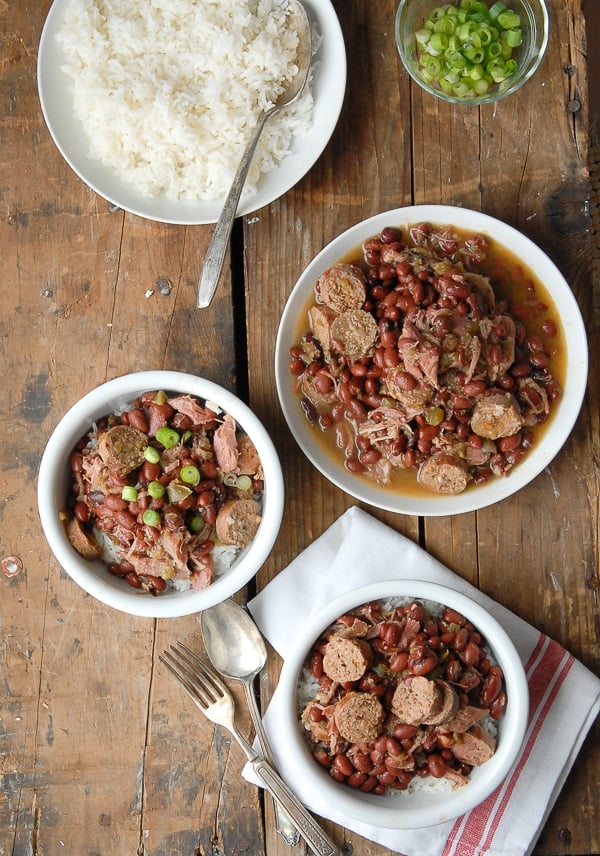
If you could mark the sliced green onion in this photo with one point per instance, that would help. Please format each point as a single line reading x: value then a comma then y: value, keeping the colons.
x: 187, y: 435
x: 156, y: 489
x: 467, y: 46
x: 151, y: 454
x: 230, y: 479
x: 151, y: 517
x: 197, y: 524
x: 129, y: 493
x: 496, y: 8
x: 167, y: 437
x: 508, y: 20
x: 514, y: 38
x: 243, y: 483
x: 160, y: 397
x: 189, y: 474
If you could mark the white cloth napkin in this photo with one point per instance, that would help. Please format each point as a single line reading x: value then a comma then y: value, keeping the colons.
x: 564, y: 695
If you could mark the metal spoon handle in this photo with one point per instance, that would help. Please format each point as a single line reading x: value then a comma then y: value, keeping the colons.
x: 284, y: 824
x: 215, y: 255
x: 311, y: 832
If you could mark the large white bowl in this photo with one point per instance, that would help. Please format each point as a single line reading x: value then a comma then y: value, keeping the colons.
x: 565, y: 411
x: 93, y: 576
x: 423, y: 807
x: 56, y: 100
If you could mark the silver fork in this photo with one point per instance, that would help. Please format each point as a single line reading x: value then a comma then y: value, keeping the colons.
x: 215, y: 701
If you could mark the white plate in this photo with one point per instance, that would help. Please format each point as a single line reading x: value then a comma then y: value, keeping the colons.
x: 565, y: 412
x: 328, y: 88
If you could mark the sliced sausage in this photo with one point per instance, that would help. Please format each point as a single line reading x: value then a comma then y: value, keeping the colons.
x: 79, y: 539
x: 346, y: 659
x: 342, y: 287
x: 416, y: 699
x: 444, y: 473
x: 496, y: 415
x: 414, y: 399
x: 359, y: 717
x: 122, y: 448
x: 475, y: 748
x: 354, y: 333
x: 238, y: 521
x: 449, y: 708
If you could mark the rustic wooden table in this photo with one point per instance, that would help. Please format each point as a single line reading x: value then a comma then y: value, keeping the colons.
x: 100, y: 752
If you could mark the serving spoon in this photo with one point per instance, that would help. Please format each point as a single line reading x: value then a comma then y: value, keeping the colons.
x: 297, y: 20
x: 236, y: 649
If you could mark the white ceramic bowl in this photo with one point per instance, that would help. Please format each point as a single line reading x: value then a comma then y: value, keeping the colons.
x: 423, y: 807
x: 53, y: 486
x: 328, y: 88
x: 565, y: 411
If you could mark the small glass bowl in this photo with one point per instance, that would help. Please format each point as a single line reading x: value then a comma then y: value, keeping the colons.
x: 412, y: 14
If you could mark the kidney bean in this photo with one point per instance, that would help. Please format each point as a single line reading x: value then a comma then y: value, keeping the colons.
x: 453, y: 670
x: 498, y: 705
x: 399, y: 661
x: 316, y: 665
x: 125, y: 519
x: 76, y: 462
x: 369, y: 785
x: 114, y: 502
x: 404, y: 731
x: 461, y: 639
x: 519, y: 370
x: 137, y: 419
x: 355, y: 780
x: 343, y: 764
x: 475, y: 388
x: 393, y: 747
x: 353, y: 465
x: 490, y: 689
x: 451, y: 616
x: 423, y: 665
x: 356, y: 410
x: 321, y: 756
x: 436, y: 765
x: 133, y: 579
x: 361, y: 762
x: 472, y: 654
x: 81, y: 512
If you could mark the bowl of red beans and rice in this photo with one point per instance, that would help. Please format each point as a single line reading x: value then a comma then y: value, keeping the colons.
x: 160, y: 493
x: 445, y: 734
x: 431, y: 360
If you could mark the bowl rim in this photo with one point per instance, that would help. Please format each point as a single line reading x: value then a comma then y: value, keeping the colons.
x: 92, y: 576
x: 491, y: 98
x: 566, y: 410
x: 386, y: 812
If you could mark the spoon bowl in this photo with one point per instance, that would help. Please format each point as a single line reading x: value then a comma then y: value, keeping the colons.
x: 297, y: 21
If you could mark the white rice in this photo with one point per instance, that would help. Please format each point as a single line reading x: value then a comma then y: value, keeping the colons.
x: 168, y: 91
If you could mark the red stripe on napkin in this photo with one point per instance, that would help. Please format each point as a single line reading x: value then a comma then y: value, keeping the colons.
x: 546, y: 669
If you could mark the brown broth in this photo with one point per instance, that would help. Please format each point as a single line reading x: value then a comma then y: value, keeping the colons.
x: 528, y: 300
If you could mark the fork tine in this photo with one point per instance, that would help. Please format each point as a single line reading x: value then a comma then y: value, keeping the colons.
x: 186, y: 679
x: 198, y: 665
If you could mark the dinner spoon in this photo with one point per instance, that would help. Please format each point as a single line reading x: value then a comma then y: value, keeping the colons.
x: 236, y: 649
x: 297, y: 20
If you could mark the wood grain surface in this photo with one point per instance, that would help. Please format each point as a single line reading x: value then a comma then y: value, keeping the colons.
x: 100, y: 753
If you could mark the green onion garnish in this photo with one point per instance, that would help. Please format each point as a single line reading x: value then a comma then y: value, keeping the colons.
x: 466, y: 48
x: 129, y: 493
x: 151, y: 454
x: 167, y: 437
x: 189, y: 474
x: 151, y: 517
x: 156, y: 489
